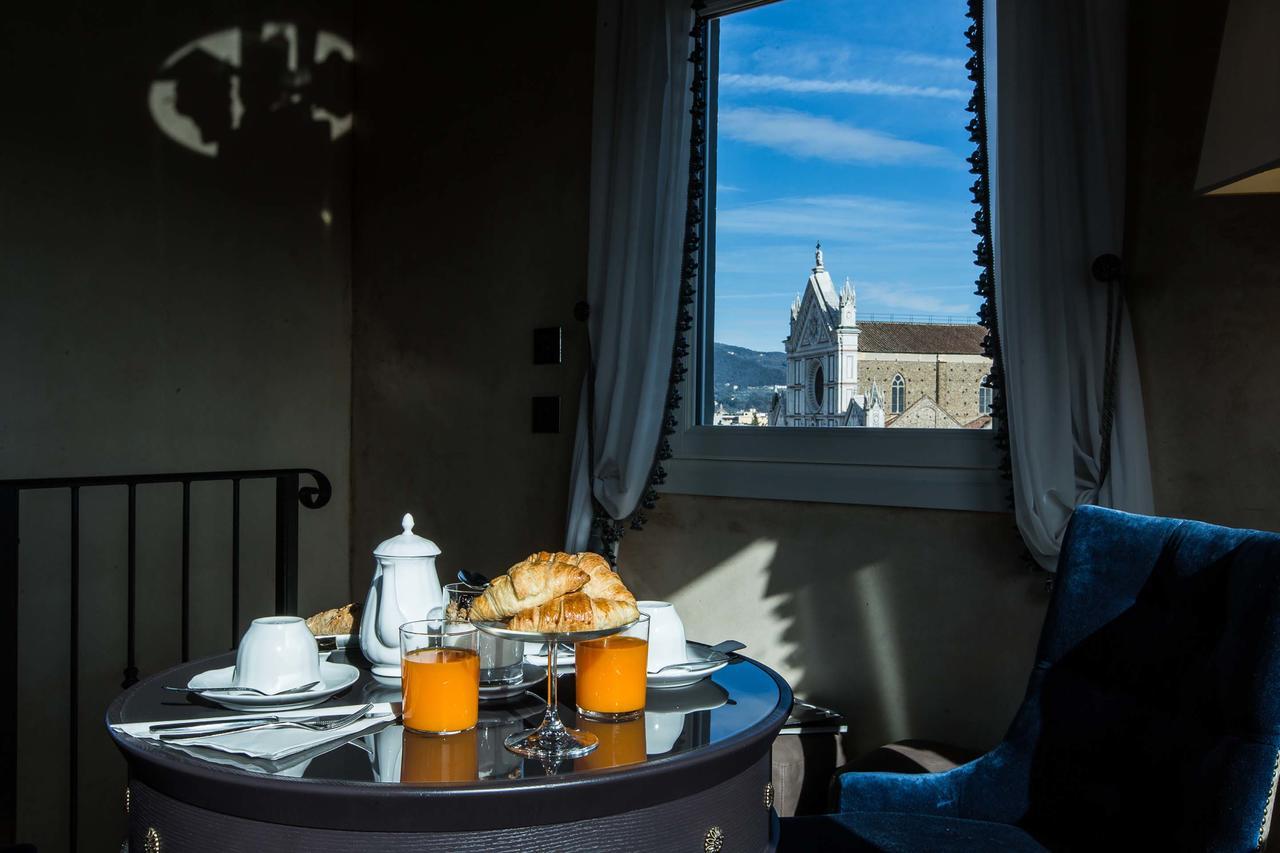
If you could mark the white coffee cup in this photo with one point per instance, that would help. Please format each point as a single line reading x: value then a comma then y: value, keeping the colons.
x: 277, y: 653
x: 666, y: 634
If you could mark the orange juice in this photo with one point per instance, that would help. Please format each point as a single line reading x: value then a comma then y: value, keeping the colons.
x: 620, y: 743
x: 611, y: 674
x: 441, y: 689
x: 450, y: 758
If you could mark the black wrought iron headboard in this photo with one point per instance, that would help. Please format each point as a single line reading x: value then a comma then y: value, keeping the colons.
x: 289, y: 495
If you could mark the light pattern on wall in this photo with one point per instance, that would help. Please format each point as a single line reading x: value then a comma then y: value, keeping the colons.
x: 234, y: 86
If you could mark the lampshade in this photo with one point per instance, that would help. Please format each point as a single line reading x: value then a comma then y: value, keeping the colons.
x: 1241, y: 152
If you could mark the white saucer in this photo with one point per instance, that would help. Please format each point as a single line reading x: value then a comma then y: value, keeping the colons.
x: 533, y: 676
x: 694, y: 653
x: 536, y: 654
x: 333, y: 677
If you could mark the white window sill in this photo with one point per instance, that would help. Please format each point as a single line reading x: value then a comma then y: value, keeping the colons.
x: 933, y: 469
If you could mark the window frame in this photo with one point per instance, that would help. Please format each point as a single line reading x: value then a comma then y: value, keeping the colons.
x: 955, y: 469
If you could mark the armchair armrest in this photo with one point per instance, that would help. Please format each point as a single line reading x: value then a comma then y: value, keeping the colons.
x: 992, y: 787
x: 912, y: 793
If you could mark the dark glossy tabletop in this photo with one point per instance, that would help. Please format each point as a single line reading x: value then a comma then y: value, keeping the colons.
x: 692, y: 731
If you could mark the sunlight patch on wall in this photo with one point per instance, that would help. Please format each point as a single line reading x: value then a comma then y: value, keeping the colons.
x: 733, y: 596
x: 876, y: 619
x: 222, y: 88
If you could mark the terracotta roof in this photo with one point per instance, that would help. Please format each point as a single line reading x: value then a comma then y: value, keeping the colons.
x: 880, y: 336
x: 980, y: 422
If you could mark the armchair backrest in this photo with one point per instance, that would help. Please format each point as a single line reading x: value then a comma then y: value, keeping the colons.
x: 1153, y: 717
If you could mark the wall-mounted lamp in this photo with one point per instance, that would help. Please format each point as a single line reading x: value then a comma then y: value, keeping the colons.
x: 1241, y: 153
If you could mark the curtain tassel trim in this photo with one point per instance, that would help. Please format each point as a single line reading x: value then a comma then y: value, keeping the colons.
x: 979, y: 166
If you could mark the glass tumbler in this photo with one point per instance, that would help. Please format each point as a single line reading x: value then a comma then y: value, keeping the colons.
x: 440, y: 676
x: 501, y: 661
x: 611, y: 673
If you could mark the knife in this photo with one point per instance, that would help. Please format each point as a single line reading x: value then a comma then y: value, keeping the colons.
x: 315, y: 725
x: 214, y: 725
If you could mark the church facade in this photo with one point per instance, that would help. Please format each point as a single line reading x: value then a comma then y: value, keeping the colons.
x: 842, y: 373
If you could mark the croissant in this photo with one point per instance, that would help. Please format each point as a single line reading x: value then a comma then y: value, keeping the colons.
x: 604, y: 583
x: 533, y: 582
x: 576, y: 611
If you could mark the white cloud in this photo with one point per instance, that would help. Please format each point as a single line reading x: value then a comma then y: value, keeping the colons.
x: 837, y: 218
x: 857, y: 86
x: 727, y: 188
x: 897, y: 295
x: 817, y: 137
x: 774, y: 294
x: 932, y: 60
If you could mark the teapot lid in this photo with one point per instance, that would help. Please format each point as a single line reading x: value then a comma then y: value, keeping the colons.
x: 407, y: 544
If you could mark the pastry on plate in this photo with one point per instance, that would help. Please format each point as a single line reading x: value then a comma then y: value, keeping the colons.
x: 555, y: 592
x: 576, y: 611
x: 531, y: 583
x: 339, y: 620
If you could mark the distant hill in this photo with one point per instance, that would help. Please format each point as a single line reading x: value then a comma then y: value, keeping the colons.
x: 744, y: 378
x: 747, y: 367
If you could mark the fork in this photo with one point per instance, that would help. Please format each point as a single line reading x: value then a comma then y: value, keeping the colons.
x: 302, y: 688
x: 279, y: 723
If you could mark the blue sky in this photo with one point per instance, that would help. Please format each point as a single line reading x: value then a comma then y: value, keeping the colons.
x: 842, y: 121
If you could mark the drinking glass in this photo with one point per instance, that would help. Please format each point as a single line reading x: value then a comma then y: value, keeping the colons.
x: 501, y: 661
x: 611, y: 674
x: 441, y: 676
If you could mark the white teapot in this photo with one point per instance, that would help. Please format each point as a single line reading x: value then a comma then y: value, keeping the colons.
x: 405, y: 588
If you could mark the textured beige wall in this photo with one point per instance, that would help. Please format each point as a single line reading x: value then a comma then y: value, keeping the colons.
x: 1205, y: 288
x: 914, y: 623
x: 951, y: 384
x: 959, y: 381
x: 471, y: 205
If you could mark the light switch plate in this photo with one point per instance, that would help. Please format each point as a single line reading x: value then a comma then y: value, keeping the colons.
x: 547, y: 347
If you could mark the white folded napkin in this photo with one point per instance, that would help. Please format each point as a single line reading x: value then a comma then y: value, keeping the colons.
x: 270, y: 744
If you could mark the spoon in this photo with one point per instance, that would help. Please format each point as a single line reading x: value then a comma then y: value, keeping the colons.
x: 721, y: 649
x: 299, y: 689
x: 472, y: 578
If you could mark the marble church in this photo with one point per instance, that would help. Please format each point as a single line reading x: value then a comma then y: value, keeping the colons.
x: 842, y: 373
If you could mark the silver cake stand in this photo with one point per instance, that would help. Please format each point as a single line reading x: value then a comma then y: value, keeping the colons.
x: 552, y: 740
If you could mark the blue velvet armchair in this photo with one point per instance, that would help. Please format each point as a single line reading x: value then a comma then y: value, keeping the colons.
x: 1151, y: 721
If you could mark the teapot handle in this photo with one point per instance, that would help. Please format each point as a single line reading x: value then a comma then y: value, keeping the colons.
x: 390, y: 617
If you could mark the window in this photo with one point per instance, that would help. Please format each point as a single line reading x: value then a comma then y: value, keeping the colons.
x: 816, y: 386
x: 841, y: 213
x: 838, y: 259
x: 984, y: 397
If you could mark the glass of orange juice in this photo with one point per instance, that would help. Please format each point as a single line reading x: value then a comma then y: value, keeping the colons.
x: 440, y: 676
x: 611, y: 674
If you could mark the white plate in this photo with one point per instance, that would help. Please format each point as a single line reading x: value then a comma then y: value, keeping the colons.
x: 533, y: 676
x: 333, y: 677
x: 694, y: 653
x: 536, y: 654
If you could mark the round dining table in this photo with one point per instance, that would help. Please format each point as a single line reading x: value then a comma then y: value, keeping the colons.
x: 692, y: 774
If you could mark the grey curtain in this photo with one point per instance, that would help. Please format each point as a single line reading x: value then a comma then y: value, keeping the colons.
x: 1058, y: 149
x: 639, y: 180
